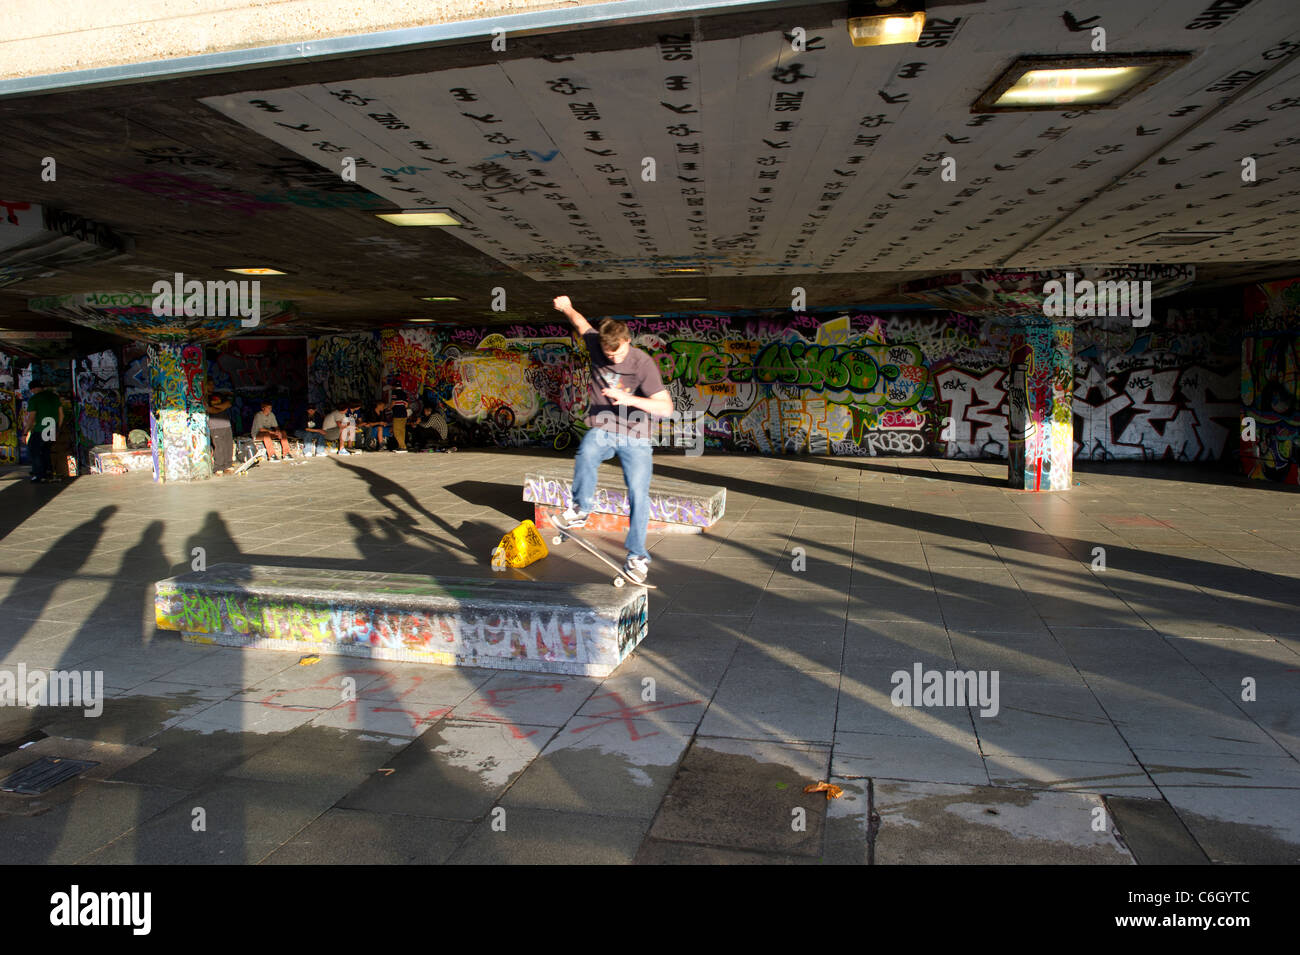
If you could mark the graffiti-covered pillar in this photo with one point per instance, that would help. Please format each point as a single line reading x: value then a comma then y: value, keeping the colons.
x: 178, y: 422
x: 1040, y: 402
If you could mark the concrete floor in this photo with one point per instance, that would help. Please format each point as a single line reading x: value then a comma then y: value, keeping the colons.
x: 1121, y: 734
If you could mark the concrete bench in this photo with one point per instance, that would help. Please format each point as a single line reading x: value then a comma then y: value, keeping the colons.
x: 676, y: 507
x: 541, y: 626
x: 104, y: 460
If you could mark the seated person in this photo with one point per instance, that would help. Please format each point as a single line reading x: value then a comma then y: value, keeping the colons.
x: 337, y: 426
x: 313, y: 434
x: 430, y: 427
x: 266, y: 429
x: 375, y: 426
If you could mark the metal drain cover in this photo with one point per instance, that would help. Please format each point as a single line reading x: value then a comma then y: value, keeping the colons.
x: 44, y: 774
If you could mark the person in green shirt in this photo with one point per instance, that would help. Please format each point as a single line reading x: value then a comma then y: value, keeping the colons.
x: 42, y: 421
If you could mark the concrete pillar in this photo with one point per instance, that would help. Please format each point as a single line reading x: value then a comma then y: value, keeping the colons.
x: 1040, y: 401
x: 178, y: 422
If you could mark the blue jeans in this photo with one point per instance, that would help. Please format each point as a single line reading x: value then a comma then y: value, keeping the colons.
x: 312, y: 443
x: 634, y: 454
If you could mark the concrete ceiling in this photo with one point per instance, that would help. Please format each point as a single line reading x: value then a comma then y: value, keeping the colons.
x: 842, y: 195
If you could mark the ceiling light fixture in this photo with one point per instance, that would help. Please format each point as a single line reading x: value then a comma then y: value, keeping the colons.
x: 425, y: 217
x: 688, y: 300
x: 1096, y: 82
x: 881, y: 22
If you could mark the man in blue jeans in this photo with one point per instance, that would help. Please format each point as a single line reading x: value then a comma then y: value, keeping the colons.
x: 620, y: 378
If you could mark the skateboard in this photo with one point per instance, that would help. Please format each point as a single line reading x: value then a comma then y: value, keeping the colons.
x: 242, y: 470
x: 620, y: 580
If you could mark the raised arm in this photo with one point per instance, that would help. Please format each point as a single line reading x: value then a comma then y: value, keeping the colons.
x: 580, y: 324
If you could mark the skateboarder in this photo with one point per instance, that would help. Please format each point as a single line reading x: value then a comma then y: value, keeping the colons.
x: 623, y: 391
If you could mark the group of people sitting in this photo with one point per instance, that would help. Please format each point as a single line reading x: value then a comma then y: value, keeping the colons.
x: 383, y: 425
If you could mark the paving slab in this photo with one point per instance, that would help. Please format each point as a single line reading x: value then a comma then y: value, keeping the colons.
x: 604, y: 766
x: 773, y: 701
x: 457, y: 770
x: 88, y: 815
x: 239, y: 821
x: 739, y: 794
x: 1240, y: 825
x: 543, y: 837
x: 949, y: 759
x: 937, y: 824
x: 355, y: 837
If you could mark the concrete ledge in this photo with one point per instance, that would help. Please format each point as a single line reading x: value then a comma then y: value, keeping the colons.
x: 675, y: 506
x: 104, y: 460
x: 539, y: 626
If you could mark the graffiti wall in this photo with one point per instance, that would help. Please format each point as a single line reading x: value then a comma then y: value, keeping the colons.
x: 829, y: 381
x: 343, y: 367
x: 178, y: 426
x: 135, y: 386
x: 254, y: 370
x: 1165, y: 392
x: 100, y: 410
x: 1270, y: 381
x: 9, y: 412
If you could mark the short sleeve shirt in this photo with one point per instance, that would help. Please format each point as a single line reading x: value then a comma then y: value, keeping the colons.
x: 637, y: 373
x: 45, y: 406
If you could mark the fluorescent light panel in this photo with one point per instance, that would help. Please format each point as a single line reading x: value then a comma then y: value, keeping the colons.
x: 1065, y: 82
x: 419, y: 217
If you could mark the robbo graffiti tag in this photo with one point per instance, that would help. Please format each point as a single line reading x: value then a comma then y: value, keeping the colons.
x: 195, y: 299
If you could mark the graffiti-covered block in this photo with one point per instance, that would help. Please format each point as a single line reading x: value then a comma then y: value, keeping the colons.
x: 104, y: 460
x: 675, y: 506
x: 541, y: 626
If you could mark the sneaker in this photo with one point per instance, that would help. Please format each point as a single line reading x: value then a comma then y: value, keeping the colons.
x: 636, y: 569
x: 346, y: 451
x: 572, y: 518
x: 401, y: 450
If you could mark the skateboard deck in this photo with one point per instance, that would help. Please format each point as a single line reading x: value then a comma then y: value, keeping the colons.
x: 251, y: 462
x: 619, y: 580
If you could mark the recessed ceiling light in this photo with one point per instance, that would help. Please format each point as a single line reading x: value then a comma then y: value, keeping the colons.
x: 257, y: 271
x: 1053, y: 82
x: 881, y: 22
x: 427, y: 217
x: 688, y: 300
x: 438, y: 298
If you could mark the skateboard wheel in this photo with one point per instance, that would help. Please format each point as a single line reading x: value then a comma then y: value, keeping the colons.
x: 557, y: 540
x: 618, y: 581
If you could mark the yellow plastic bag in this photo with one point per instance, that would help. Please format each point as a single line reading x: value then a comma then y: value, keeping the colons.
x: 521, y: 547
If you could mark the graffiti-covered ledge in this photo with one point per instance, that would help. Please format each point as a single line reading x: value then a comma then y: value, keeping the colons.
x: 542, y: 626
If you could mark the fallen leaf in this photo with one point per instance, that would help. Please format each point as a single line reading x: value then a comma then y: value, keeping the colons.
x: 308, y: 660
x: 830, y: 789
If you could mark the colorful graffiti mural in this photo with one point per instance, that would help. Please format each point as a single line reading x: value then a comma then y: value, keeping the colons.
x: 1270, y: 381
x: 254, y: 370
x: 343, y: 367
x: 9, y: 424
x: 178, y: 426
x: 100, y: 409
x: 135, y: 386
x: 829, y: 381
